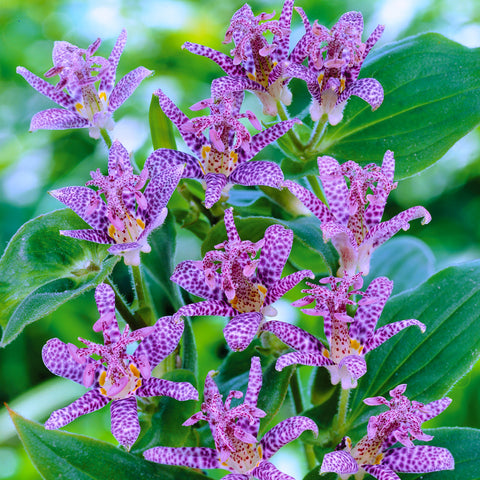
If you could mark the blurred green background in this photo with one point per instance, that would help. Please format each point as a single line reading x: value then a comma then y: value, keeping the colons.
x: 33, y: 163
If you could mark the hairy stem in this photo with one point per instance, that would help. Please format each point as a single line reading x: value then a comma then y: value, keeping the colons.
x: 106, y: 137
x: 144, y: 306
x: 340, y: 420
x: 282, y: 113
x: 316, y: 137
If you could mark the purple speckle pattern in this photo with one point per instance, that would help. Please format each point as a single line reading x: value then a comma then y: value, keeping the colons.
x: 57, y: 119
x: 157, y: 387
x: 125, y: 424
x: 163, y: 158
x: 215, y: 182
x: 108, y: 79
x: 105, y: 299
x: 340, y: 462
x: 241, y: 330
x: 194, y: 457
x: 419, y: 459
x: 381, y: 472
x: 126, y: 86
x: 89, y: 402
x: 265, y: 471
x: 257, y: 172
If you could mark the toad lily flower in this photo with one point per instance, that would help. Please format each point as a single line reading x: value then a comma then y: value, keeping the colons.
x: 401, y: 423
x: 335, y: 58
x: 352, y: 219
x: 116, y: 376
x: 254, y: 59
x: 222, y: 158
x: 237, y: 291
x: 235, y: 432
x: 128, y: 216
x: 348, y: 343
x: 83, y: 105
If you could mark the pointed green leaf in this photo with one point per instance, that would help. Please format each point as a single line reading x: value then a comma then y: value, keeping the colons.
x: 58, y: 455
x: 430, y: 363
x: 161, y: 127
x: 432, y: 99
x: 41, y: 270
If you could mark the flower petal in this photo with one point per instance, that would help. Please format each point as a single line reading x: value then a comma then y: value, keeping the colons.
x: 285, y: 284
x: 218, y: 308
x: 89, y: 402
x: 284, y: 432
x: 367, y: 89
x: 157, y: 387
x: 241, y: 329
x: 340, y: 462
x: 432, y: 409
x: 381, y: 472
x: 419, y: 459
x: 108, y: 78
x: 266, y: 471
x: 163, y: 158
x: 161, y: 342
x: 293, y: 358
x: 295, y: 337
x: 89, y: 235
x: 107, y: 323
x: 194, y: 457
x: 215, y: 184
x: 126, y: 86
x: 257, y: 172
x: 57, y: 119
x: 125, y: 424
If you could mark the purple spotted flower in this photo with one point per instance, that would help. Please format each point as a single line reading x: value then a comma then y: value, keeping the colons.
x: 401, y: 423
x: 244, y: 288
x: 222, y: 156
x: 335, y: 58
x: 349, y: 339
x: 352, y: 220
x: 128, y: 216
x: 84, y: 104
x: 258, y: 65
x: 116, y: 376
x: 235, y: 432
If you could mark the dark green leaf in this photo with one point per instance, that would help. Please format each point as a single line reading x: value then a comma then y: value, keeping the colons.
x: 161, y: 127
x: 41, y: 270
x: 430, y: 363
x: 432, y: 99
x: 406, y: 260
x: 189, y: 353
x: 59, y: 455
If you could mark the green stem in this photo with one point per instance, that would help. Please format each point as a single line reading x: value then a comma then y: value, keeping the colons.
x: 144, y: 306
x: 340, y: 420
x: 317, y: 190
x: 124, y: 310
x: 317, y: 135
x: 106, y: 137
x: 282, y: 113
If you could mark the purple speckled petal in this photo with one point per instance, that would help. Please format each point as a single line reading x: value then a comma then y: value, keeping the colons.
x: 367, y: 89
x: 257, y: 172
x: 367, y: 316
x: 266, y: 137
x: 316, y: 206
x: 298, y: 358
x: 118, y: 157
x: 163, y: 158
x: 344, y: 242
x: 80, y: 199
x: 89, y: 235
x: 241, y: 330
x: 419, y: 459
x: 285, y: 432
x: 58, y: 360
x: 126, y: 86
x: 388, y: 331
x: 108, y: 78
x: 217, y: 308
x: 215, y: 183
x: 232, y: 232
x: 157, y: 387
x: 381, y: 472
x: 191, y: 277
x: 340, y: 462
x: 335, y: 188
x: 356, y: 366
x: 179, y: 118
x: 221, y: 59
x: 89, y: 402
x: 57, y: 119
x: 125, y: 424
x: 161, y: 342
x: 432, y: 409
x: 105, y: 299
x: 285, y: 284
x: 194, y: 457
x: 283, y: 42
x: 274, y: 254
x: 295, y: 337
x: 236, y: 476
x: 45, y: 88
x: 265, y: 471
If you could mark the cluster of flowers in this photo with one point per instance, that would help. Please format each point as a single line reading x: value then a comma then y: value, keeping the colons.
x: 239, y: 279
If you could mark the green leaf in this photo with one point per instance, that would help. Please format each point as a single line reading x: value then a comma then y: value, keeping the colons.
x: 189, y: 353
x: 164, y: 427
x: 161, y: 127
x: 406, y: 260
x: 463, y: 445
x: 41, y: 270
x: 59, y: 455
x: 308, y: 250
x: 430, y: 363
x: 432, y: 99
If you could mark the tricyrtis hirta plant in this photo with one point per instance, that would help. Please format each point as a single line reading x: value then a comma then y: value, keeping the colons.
x: 84, y: 104
x: 314, y: 334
